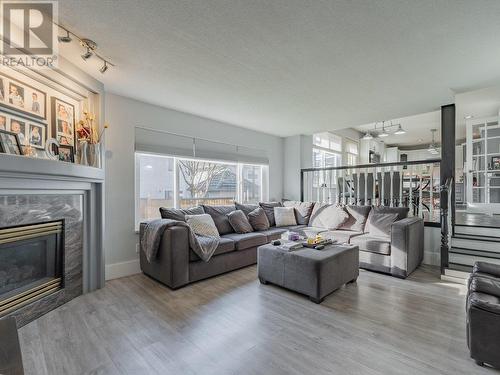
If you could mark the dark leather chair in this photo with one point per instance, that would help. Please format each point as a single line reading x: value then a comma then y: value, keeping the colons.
x: 483, y: 314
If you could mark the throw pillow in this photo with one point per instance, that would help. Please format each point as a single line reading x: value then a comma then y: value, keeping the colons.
x: 284, y: 216
x: 179, y: 214
x: 357, y: 218
x: 380, y: 224
x: 202, y: 225
x: 258, y: 219
x: 219, y: 215
x: 268, y: 208
x: 239, y: 222
x: 303, y: 210
x: 246, y: 208
x: 402, y: 213
x: 328, y: 216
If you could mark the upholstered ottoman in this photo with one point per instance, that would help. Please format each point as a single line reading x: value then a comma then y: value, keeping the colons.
x: 315, y: 273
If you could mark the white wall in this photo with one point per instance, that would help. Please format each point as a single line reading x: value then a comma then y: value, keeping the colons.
x: 297, y: 151
x: 123, y: 115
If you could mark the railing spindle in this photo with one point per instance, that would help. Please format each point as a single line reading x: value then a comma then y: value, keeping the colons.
x: 391, y: 195
x: 420, y: 197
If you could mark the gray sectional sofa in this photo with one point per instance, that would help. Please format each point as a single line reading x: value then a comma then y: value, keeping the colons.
x: 398, y: 254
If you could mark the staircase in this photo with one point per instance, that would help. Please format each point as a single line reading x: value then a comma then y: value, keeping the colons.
x: 468, y: 245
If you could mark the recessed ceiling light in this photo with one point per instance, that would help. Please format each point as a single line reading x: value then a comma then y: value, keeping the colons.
x: 468, y: 117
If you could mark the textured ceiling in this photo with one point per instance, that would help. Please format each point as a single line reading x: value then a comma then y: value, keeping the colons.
x: 291, y: 66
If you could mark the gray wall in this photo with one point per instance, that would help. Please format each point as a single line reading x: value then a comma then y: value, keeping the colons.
x: 123, y: 115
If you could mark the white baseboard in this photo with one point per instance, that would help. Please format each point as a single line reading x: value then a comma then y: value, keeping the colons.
x: 122, y: 269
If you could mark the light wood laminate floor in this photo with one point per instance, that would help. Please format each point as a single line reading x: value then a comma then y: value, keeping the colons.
x: 233, y: 325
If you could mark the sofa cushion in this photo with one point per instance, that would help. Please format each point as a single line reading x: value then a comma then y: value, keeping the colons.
x: 258, y: 219
x: 401, y: 211
x: 268, y: 208
x: 246, y: 240
x: 328, y: 216
x: 226, y: 245
x: 219, y: 214
x: 341, y: 236
x: 380, y: 224
x: 311, y: 232
x: 246, y: 208
x: 302, y: 210
x: 179, y: 214
x: 357, y: 218
x: 202, y: 225
x: 273, y: 233
x: 378, y: 245
x: 239, y: 222
x: 284, y: 216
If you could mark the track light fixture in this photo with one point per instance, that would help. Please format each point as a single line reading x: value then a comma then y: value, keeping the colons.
x: 400, y: 131
x: 90, y: 47
x: 104, y: 68
x: 65, y: 39
x: 383, y: 133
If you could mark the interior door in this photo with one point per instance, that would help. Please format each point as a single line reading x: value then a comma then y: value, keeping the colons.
x: 483, y: 163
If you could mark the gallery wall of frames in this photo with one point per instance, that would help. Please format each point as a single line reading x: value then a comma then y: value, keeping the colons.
x: 33, y: 111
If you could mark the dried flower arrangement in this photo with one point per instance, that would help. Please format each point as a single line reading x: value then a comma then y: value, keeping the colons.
x: 86, y: 129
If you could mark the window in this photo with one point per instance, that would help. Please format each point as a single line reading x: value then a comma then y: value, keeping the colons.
x: 328, y: 141
x: 165, y: 181
x: 351, y: 150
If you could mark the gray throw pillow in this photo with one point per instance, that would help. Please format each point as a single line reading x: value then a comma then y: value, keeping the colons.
x: 239, y: 222
x: 178, y: 214
x: 284, y: 216
x: 402, y: 213
x: 246, y: 208
x: 202, y: 225
x: 357, y: 218
x: 380, y: 224
x: 268, y: 208
x: 328, y: 216
x: 219, y: 214
x: 303, y: 210
x: 258, y: 219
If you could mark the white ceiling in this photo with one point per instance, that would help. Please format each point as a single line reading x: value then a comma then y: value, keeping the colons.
x: 291, y: 66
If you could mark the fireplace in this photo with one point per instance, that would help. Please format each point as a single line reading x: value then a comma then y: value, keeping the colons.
x: 31, y: 263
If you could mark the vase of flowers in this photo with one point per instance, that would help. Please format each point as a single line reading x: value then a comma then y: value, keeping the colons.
x: 89, y: 140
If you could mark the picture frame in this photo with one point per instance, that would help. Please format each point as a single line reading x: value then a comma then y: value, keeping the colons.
x: 495, y: 162
x: 37, y: 135
x: 22, y: 97
x: 63, y: 122
x: 9, y: 143
x: 66, y: 153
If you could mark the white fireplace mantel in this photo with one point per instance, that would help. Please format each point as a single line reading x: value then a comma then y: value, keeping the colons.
x: 22, y: 175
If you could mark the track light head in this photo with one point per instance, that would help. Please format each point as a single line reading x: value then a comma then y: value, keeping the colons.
x: 104, y: 67
x: 367, y: 136
x: 87, y: 55
x: 90, y: 45
x: 65, y: 39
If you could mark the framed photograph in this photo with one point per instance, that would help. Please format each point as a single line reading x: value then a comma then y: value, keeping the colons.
x: 63, y: 122
x: 37, y: 135
x: 3, y: 122
x: 66, y: 153
x: 495, y: 162
x: 9, y: 143
x: 22, y: 97
x: 18, y: 127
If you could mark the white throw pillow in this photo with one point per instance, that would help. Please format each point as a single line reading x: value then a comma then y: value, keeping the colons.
x: 328, y: 216
x: 284, y: 216
x: 202, y: 225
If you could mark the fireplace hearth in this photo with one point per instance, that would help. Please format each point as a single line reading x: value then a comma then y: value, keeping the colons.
x: 31, y: 263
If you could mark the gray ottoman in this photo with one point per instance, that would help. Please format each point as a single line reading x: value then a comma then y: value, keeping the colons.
x: 315, y: 273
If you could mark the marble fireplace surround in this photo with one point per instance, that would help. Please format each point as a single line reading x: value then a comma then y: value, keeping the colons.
x: 34, y: 190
